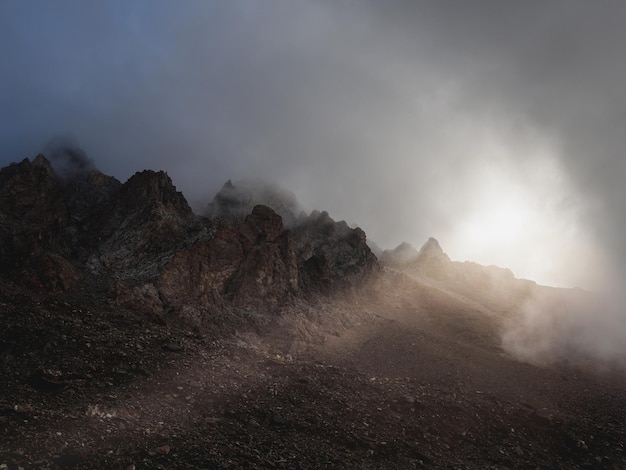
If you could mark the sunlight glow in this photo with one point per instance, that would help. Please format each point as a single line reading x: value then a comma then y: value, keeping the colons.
x: 518, y: 211
x: 502, y: 223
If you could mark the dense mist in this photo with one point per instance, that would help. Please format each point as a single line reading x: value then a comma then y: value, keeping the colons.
x: 568, y: 327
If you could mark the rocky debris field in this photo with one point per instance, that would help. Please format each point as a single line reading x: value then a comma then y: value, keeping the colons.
x: 90, y: 386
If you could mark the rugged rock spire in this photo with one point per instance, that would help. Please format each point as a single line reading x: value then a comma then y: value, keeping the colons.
x: 35, y: 227
x: 432, y: 260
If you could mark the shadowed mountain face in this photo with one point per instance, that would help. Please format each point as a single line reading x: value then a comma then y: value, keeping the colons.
x: 137, y: 334
x: 142, y: 241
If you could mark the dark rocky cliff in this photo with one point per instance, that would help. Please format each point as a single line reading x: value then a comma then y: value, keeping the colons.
x: 141, y: 241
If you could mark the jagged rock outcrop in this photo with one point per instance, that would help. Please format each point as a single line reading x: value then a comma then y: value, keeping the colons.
x: 269, y: 269
x: 332, y: 253
x: 250, y: 268
x: 34, y: 227
x: 141, y: 227
x: 142, y: 240
x: 87, y: 195
x: 261, y: 266
x: 30, y: 192
x: 432, y: 260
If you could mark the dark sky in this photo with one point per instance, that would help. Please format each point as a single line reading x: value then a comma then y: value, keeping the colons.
x: 498, y: 127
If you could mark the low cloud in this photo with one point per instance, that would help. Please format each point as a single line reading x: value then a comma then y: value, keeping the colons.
x: 567, y: 327
x: 66, y: 157
x: 236, y: 200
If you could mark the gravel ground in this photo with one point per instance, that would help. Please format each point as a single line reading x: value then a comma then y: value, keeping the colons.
x: 407, y: 384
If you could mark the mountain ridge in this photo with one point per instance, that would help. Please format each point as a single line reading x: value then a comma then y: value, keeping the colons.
x: 142, y: 238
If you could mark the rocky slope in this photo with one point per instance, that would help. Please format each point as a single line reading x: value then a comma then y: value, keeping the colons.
x: 137, y: 334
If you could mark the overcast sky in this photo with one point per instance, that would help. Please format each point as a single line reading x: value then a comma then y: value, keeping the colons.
x: 498, y: 127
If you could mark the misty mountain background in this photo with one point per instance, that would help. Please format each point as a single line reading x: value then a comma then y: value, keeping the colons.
x: 405, y: 118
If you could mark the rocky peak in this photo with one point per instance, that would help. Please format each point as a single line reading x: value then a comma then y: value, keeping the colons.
x: 29, y: 190
x: 432, y: 251
x: 87, y: 193
x: 34, y: 227
x: 155, y: 190
x: 432, y: 260
x: 262, y: 222
x: 41, y: 161
x: 142, y: 227
x: 332, y: 252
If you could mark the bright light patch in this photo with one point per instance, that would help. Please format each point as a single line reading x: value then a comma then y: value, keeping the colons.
x: 516, y: 209
x: 505, y: 224
x: 502, y: 222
